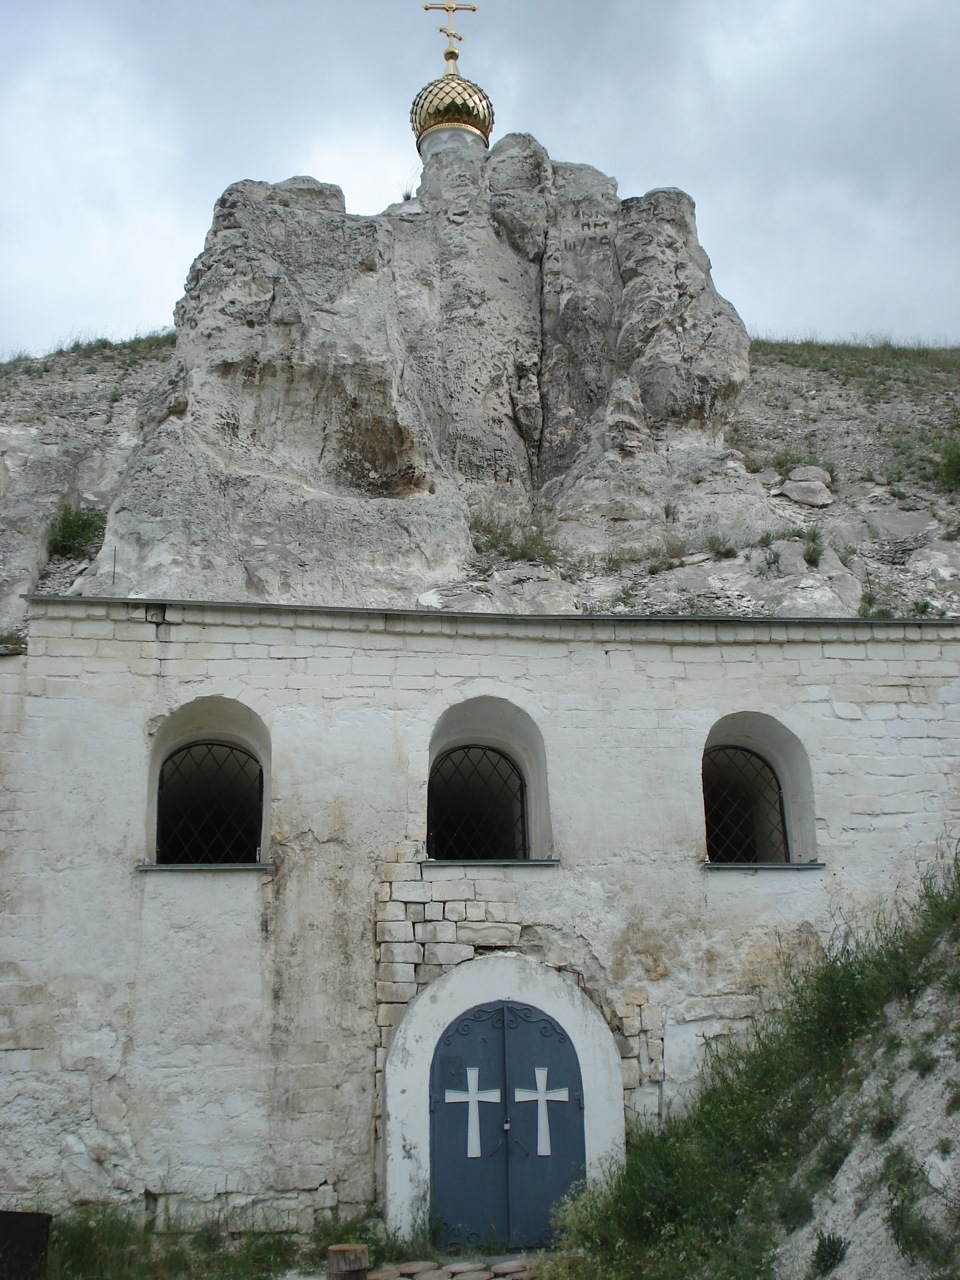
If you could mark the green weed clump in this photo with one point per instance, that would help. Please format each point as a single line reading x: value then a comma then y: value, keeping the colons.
x: 512, y: 540
x: 720, y: 548
x: 105, y: 1243
x: 75, y: 531
x: 813, y: 546
x: 873, y: 605
x: 705, y: 1195
x: 923, y: 1062
x: 830, y: 1251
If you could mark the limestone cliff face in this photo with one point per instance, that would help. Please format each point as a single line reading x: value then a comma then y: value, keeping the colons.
x: 347, y: 393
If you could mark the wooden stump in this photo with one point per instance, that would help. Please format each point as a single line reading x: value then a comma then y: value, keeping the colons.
x: 347, y: 1262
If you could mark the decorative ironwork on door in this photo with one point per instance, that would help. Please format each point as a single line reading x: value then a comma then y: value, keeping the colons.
x: 506, y: 1126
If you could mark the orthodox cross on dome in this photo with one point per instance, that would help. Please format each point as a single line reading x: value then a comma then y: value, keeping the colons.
x: 451, y: 8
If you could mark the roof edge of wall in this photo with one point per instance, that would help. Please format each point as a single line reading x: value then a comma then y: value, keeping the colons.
x: 692, y: 628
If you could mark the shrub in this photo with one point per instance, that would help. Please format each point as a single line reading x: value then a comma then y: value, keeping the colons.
x: 831, y: 1156
x: 913, y: 1233
x: 948, y: 472
x: 795, y: 1207
x: 75, y: 530
x: 923, y: 1062
x: 884, y: 1119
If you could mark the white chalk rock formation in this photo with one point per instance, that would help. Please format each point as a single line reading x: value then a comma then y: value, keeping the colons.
x: 347, y: 392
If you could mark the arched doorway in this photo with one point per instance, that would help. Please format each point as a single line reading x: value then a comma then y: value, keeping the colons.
x: 506, y: 1126
x: 505, y: 978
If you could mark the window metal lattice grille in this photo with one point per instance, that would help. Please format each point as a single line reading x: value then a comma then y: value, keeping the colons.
x: 743, y: 806
x: 476, y: 807
x: 209, y: 805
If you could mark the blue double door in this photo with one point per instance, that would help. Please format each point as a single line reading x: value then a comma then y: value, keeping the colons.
x: 506, y: 1126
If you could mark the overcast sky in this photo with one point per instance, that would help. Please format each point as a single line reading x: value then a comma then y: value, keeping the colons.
x: 819, y: 138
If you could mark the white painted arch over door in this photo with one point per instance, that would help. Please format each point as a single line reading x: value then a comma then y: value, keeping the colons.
x: 507, y: 977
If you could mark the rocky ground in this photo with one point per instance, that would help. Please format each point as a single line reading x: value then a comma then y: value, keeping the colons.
x: 506, y: 1267
x: 869, y: 523
x: 516, y: 1267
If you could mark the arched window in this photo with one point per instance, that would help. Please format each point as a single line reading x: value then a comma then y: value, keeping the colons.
x: 476, y: 807
x: 743, y: 807
x: 757, y: 793
x: 209, y: 799
x: 209, y: 805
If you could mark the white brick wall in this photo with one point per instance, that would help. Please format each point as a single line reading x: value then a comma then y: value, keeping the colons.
x: 217, y: 1038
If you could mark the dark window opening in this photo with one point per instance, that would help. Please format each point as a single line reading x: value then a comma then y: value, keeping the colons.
x: 476, y: 807
x: 209, y: 805
x: 743, y: 805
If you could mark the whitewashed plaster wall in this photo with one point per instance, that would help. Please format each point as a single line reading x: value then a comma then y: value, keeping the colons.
x: 195, y: 1040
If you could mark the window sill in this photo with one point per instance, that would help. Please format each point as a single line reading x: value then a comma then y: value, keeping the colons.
x: 268, y: 867
x: 764, y: 866
x: 492, y: 862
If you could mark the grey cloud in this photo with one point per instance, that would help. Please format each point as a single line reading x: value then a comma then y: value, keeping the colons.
x: 820, y: 140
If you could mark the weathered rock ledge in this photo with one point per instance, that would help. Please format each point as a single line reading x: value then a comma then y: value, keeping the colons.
x: 348, y: 392
x: 516, y: 392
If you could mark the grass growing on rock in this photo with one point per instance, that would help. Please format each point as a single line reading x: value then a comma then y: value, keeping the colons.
x: 872, y: 362
x: 76, y: 531
x: 513, y: 539
x: 708, y: 1194
x: 89, y: 353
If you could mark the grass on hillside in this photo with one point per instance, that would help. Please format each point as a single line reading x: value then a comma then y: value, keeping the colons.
x: 921, y: 443
x: 911, y: 363
x: 89, y: 351
x: 708, y: 1195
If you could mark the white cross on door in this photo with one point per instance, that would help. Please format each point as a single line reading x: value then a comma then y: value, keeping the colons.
x: 541, y: 1096
x: 473, y: 1097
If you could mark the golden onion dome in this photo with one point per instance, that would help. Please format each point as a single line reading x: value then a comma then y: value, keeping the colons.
x: 452, y: 103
